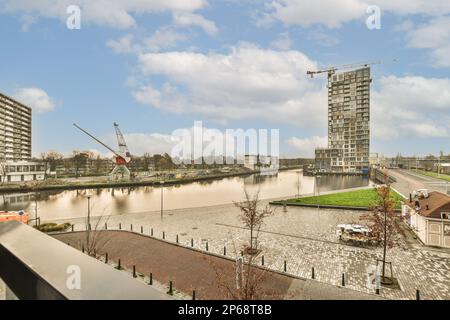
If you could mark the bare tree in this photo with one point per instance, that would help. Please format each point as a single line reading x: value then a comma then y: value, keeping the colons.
x: 299, y: 186
x: 384, y: 223
x: 50, y: 160
x: 252, y: 217
x: 93, y: 233
x: 245, y: 282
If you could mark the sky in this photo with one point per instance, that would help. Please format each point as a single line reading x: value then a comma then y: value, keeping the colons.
x: 155, y: 66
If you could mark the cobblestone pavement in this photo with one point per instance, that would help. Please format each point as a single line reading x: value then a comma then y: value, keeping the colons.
x: 304, y: 238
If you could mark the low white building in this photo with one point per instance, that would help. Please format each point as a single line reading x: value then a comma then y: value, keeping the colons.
x: 20, y: 171
x: 251, y: 162
x: 429, y: 217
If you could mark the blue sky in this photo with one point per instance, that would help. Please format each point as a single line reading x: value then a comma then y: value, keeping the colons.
x: 155, y: 66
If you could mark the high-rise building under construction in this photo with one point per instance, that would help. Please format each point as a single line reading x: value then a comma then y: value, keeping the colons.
x: 348, y: 123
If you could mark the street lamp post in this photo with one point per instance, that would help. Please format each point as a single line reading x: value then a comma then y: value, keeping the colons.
x: 162, y: 198
x: 88, y: 196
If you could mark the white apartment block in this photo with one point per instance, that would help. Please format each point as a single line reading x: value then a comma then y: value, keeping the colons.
x: 15, y: 143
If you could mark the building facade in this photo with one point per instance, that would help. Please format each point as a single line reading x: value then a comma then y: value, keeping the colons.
x: 15, y: 130
x: 348, y: 122
x: 15, y: 143
x: 429, y: 218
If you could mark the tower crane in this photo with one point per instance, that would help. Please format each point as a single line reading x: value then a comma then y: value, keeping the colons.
x: 122, y: 157
x: 332, y: 70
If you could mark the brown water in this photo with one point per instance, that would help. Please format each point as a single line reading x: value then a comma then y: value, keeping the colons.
x: 74, y: 203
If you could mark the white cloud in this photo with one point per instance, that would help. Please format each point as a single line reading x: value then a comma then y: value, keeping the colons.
x: 330, y: 13
x: 112, y: 13
x: 163, y: 38
x: 333, y: 14
x: 35, y: 98
x: 283, y: 42
x: 187, y: 19
x: 124, y: 44
x: 412, y: 107
x: 306, y: 146
x: 433, y: 35
x: 247, y: 83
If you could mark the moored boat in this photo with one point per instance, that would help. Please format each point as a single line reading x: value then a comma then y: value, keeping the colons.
x: 20, y: 216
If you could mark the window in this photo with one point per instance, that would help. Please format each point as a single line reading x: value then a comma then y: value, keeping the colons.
x: 445, y: 215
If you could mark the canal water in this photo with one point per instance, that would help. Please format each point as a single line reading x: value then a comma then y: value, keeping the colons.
x: 55, y: 205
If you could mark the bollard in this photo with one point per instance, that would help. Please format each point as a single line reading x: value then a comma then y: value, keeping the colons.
x: 120, y: 226
x: 82, y: 248
x: 106, y: 257
x: 313, y: 276
x: 193, y: 294
x: 131, y: 227
x: 72, y: 228
x: 192, y: 242
x: 118, y: 265
x: 170, y: 288
x: 285, y: 266
x: 262, y: 260
x: 343, y: 280
x: 150, y: 281
x: 177, y: 238
x: 417, y: 294
x: 134, y: 271
x: 207, y: 246
x: 224, y: 251
x: 151, y: 232
x: 142, y: 229
x: 164, y: 235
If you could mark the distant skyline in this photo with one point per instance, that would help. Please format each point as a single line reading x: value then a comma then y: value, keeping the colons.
x: 156, y: 66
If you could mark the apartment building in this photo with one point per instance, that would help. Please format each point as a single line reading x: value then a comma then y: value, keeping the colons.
x: 348, y: 123
x: 15, y: 143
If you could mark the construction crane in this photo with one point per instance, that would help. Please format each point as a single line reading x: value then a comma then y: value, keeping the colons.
x: 121, y: 157
x: 332, y: 70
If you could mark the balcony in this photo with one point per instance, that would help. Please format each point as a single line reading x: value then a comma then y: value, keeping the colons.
x: 35, y: 266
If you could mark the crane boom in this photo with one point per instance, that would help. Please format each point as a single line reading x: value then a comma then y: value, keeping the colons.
x: 123, y: 148
x: 333, y: 69
x: 99, y: 141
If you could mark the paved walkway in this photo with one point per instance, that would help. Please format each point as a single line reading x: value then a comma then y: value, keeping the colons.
x: 304, y: 238
x: 192, y: 270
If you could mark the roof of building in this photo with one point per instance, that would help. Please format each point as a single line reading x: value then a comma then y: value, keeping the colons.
x: 433, y: 206
x: 4, y: 96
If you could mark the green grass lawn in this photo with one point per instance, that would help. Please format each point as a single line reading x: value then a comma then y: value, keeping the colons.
x: 433, y: 175
x: 357, y: 198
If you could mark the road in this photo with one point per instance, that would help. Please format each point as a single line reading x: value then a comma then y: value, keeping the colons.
x: 408, y: 181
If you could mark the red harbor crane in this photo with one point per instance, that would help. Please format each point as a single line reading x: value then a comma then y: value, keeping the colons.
x: 122, y: 157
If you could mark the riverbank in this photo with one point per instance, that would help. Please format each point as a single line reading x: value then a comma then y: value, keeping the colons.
x: 54, y: 184
x: 352, y: 200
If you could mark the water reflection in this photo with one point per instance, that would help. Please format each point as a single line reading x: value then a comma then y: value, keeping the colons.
x: 73, y: 203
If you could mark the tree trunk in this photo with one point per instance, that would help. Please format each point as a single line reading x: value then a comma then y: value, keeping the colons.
x: 384, y: 243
